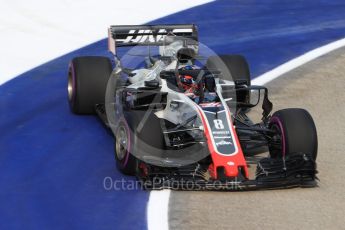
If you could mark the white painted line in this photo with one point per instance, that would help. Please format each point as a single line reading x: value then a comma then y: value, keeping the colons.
x: 296, y: 62
x: 158, y: 210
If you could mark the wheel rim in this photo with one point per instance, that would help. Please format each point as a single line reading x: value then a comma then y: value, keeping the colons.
x: 121, y: 143
x: 277, y: 143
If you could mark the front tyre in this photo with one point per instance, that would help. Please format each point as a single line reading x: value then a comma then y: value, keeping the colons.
x: 125, y: 161
x: 295, y: 133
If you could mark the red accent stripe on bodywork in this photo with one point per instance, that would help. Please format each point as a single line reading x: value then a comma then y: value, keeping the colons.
x: 231, y: 163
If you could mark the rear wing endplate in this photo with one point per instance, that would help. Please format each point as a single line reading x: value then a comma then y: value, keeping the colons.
x: 119, y: 36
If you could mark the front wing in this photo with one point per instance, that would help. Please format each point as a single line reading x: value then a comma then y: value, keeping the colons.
x: 298, y: 170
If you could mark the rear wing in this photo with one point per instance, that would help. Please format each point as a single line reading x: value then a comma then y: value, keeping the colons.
x: 143, y: 35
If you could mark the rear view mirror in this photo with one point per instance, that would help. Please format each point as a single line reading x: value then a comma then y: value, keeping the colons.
x: 255, y: 93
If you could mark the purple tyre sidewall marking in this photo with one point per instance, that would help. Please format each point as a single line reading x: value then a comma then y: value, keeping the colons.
x: 129, y: 142
x: 277, y: 121
x: 71, y: 67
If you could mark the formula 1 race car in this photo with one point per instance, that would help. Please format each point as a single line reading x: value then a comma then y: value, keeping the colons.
x: 180, y: 114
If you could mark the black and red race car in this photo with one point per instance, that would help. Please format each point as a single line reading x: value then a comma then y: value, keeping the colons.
x: 179, y: 114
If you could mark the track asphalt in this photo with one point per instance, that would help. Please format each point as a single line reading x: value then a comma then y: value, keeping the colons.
x: 318, y: 87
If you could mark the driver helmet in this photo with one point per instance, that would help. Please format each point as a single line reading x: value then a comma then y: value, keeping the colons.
x: 187, y: 81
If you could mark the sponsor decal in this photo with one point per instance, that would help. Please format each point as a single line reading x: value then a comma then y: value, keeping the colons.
x: 221, y: 137
x: 147, y: 36
x: 223, y: 142
x: 220, y: 132
x: 231, y: 163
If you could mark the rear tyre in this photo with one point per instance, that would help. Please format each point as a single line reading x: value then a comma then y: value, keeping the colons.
x: 234, y: 68
x: 295, y: 133
x: 87, y: 82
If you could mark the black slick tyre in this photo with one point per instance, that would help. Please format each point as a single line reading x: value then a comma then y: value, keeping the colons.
x: 87, y: 81
x: 295, y: 133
